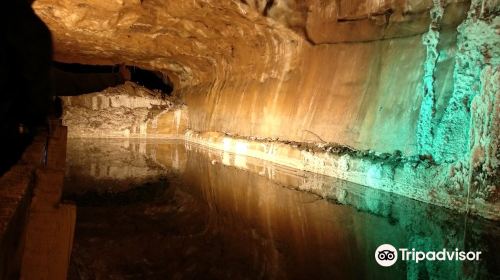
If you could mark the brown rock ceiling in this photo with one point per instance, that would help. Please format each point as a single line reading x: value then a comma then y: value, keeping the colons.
x: 279, y: 71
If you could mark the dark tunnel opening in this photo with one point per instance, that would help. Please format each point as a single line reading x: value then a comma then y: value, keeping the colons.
x: 153, y: 80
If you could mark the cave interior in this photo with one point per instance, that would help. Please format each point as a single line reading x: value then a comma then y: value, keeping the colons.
x: 383, y: 114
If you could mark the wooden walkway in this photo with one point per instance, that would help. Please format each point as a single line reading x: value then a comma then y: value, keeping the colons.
x: 51, y: 224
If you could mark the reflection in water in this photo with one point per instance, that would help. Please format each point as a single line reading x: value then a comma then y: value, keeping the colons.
x: 160, y: 210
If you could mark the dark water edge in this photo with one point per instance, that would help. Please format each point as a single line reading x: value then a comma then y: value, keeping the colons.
x: 171, y: 210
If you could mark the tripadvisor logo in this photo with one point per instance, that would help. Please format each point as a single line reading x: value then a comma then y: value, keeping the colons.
x: 387, y: 255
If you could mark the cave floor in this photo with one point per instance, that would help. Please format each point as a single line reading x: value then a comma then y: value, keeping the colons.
x: 172, y: 210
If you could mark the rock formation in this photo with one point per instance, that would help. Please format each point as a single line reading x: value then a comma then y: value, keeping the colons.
x: 403, y: 93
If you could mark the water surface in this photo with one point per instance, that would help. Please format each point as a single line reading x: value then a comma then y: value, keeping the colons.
x: 172, y: 210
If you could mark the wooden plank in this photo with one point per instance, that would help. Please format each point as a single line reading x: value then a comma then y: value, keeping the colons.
x: 51, y: 225
x: 56, y: 150
x: 50, y: 229
x: 48, y: 189
x: 49, y: 243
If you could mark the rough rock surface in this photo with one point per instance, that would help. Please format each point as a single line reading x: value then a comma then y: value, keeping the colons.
x: 412, y: 78
x: 243, y: 71
x: 128, y: 110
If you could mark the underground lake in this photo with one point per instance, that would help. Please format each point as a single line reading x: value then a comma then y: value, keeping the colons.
x: 158, y: 209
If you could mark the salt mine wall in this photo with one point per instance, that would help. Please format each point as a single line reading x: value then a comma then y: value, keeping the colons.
x: 128, y: 110
x: 397, y: 95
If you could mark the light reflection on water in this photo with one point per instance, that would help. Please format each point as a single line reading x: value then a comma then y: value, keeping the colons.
x: 156, y: 210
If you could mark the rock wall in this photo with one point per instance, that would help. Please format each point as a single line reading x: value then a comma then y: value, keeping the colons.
x: 126, y: 111
x: 409, y: 78
x: 273, y: 69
